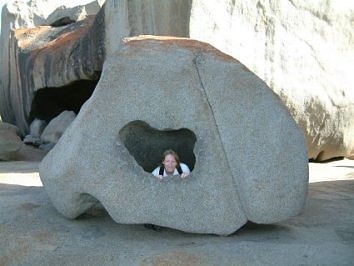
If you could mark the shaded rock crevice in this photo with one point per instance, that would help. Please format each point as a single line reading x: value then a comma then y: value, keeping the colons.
x: 196, y: 64
x: 48, y: 103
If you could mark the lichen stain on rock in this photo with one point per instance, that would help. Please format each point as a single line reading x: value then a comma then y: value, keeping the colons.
x: 170, y: 41
x: 28, y: 206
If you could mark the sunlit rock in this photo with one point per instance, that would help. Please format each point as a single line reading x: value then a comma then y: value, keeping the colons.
x: 250, y: 156
x: 304, y: 50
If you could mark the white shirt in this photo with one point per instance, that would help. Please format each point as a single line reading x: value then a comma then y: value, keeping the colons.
x: 184, y: 167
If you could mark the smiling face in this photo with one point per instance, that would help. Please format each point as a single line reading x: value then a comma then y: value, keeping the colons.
x: 170, y: 163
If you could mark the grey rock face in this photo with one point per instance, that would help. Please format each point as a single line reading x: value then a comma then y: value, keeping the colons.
x: 36, y: 128
x: 171, y: 84
x: 307, y: 63
x: 302, y: 49
x: 57, y: 126
x: 10, y: 142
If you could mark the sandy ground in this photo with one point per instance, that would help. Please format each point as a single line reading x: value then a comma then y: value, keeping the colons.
x: 33, y: 233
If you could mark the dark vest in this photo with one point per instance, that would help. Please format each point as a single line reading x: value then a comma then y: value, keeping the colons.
x: 162, y: 169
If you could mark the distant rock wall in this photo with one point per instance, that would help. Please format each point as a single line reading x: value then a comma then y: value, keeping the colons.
x: 38, y: 57
x: 10, y: 142
x: 135, y: 17
x: 302, y: 49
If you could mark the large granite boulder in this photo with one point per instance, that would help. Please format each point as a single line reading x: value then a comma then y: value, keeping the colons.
x: 250, y: 156
x: 10, y: 142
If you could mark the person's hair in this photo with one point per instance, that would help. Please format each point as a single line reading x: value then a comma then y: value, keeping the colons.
x: 173, y: 153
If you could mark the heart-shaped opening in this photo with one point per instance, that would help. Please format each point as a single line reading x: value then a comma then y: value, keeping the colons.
x: 147, y: 144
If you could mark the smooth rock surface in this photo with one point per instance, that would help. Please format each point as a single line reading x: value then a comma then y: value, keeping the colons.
x: 10, y: 142
x: 37, y: 126
x: 34, y: 233
x: 172, y: 84
x: 303, y: 50
x: 57, y: 126
x: 36, y: 129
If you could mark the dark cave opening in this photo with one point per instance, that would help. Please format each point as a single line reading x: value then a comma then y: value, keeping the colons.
x: 62, y: 22
x: 147, y: 144
x: 49, y: 102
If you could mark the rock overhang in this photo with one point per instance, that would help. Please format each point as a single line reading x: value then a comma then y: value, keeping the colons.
x: 172, y: 83
x: 50, y: 57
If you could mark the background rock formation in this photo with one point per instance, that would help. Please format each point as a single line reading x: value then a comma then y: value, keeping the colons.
x: 55, y: 54
x: 10, y: 142
x: 303, y: 50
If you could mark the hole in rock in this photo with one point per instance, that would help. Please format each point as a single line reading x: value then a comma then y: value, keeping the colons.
x: 48, y: 103
x: 147, y: 144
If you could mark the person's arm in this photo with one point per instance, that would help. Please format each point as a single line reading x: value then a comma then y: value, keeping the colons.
x: 185, y: 170
x: 156, y: 173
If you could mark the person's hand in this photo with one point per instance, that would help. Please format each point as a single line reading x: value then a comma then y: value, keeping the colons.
x: 184, y: 175
x: 159, y: 177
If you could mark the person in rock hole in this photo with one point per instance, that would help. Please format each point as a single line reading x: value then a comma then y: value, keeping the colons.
x: 171, y: 166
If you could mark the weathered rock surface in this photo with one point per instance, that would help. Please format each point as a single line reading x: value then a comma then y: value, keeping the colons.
x: 10, y: 142
x: 44, y: 135
x: 171, y: 84
x: 303, y: 50
x: 37, y: 126
x: 64, y: 48
x: 57, y: 126
x: 36, y: 129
